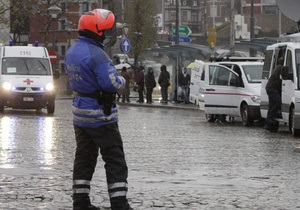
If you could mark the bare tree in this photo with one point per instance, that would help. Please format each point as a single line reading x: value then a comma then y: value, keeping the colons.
x: 140, y: 17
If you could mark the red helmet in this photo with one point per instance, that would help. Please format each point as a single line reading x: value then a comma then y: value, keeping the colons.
x: 96, y: 21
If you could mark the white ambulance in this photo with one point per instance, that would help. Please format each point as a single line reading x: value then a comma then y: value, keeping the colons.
x: 290, y: 95
x: 26, y: 78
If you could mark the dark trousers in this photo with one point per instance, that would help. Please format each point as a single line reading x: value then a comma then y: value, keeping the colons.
x: 149, y: 94
x: 164, y: 93
x: 274, y: 102
x: 109, y: 140
x: 125, y: 97
x: 141, y: 93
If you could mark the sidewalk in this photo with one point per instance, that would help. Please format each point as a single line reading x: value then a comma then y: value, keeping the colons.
x: 156, y: 102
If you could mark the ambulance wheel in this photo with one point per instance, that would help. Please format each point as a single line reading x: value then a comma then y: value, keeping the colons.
x: 211, y: 117
x: 245, y: 114
x: 295, y: 132
x: 51, y: 108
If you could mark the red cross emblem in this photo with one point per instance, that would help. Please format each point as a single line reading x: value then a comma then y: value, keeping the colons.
x: 28, y: 81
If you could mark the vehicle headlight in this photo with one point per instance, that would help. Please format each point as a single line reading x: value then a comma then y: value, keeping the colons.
x: 6, y: 86
x: 49, y: 86
x: 256, y: 99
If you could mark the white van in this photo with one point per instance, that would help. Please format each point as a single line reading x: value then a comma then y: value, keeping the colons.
x: 290, y: 107
x: 195, y: 85
x: 230, y: 88
x: 26, y: 78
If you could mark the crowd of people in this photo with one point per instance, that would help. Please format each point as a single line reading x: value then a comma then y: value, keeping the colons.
x: 144, y: 83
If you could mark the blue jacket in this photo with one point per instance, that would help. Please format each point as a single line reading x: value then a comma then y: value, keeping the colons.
x: 90, y: 70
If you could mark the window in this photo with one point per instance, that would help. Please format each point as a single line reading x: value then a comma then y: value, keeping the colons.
x: 26, y: 66
x: 85, y: 7
x: 63, y: 50
x: 62, y: 24
x: 63, y: 7
x: 184, y: 16
x: 221, y: 76
x: 194, y: 16
x: 297, y: 56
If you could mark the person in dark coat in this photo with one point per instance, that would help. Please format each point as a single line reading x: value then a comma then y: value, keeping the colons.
x: 164, y: 82
x: 140, y: 81
x: 273, y: 89
x: 184, y: 83
x: 150, y: 83
x: 126, y: 91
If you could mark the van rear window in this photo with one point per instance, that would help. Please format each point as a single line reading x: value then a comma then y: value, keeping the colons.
x: 26, y: 66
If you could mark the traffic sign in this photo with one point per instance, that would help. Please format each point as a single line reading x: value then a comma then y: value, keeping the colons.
x: 212, y: 36
x: 182, y: 39
x: 125, y: 45
x: 53, y: 56
x: 184, y: 31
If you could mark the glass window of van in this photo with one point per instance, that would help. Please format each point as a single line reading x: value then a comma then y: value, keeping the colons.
x: 219, y: 76
x: 26, y: 66
x: 267, y: 64
x: 289, y: 62
x: 297, y: 56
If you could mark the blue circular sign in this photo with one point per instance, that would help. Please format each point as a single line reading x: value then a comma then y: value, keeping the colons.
x: 125, y: 45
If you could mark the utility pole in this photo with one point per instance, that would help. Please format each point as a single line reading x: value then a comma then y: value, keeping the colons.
x: 232, y: 29
x: 177, y: 23
x: 252, y: 27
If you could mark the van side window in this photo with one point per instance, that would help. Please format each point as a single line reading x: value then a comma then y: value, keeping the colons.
x: 297, y: 56
x: 289, y: 63
x: 267, y: 64
x: 219, y: 76
x: 203, y: 75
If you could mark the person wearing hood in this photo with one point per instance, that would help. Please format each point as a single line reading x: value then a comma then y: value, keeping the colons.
x: 150, y: 83
x: 164, y: 82
x: 184, y: 83
x: 140, y: 81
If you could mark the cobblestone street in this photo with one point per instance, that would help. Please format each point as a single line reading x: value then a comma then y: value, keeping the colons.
x: 176, y: 160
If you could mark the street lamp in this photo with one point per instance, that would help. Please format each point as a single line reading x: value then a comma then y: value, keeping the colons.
x: 256, y: 30
x: 54, y: 11
x: 69, y: 25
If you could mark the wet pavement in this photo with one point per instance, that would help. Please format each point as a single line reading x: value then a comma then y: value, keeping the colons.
x: 176, y: 160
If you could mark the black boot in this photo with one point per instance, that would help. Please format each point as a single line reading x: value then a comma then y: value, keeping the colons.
x: 83, y: 203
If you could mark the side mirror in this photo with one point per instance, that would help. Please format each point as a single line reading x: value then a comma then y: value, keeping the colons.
x: 56, y: 74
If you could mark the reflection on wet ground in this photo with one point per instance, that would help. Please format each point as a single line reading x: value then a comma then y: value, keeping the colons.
x: 176, y: 160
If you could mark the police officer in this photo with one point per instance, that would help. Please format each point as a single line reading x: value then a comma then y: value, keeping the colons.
x: 95, y: 115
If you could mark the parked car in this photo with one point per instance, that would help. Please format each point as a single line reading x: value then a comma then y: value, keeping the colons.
x: 119, y: 58
x: 229, y: 88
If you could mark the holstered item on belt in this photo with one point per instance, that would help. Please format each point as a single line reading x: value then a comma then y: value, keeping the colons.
x: 104, y: 98
x: 107, y: 99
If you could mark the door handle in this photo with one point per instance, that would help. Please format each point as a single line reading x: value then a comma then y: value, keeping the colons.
x: 210, y: 89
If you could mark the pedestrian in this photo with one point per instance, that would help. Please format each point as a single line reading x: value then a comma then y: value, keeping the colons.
x: 184, y: 83
x: 140, y: 81
x: 164, y: 82
x: 150, y: 84
x: 95, y: 81
x: 273, y: 89
x: 125, y: 92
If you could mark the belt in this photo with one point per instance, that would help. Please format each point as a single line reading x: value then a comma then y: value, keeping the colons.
x: 89, y: 95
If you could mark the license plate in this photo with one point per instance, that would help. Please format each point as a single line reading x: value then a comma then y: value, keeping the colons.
x: 28, y: 99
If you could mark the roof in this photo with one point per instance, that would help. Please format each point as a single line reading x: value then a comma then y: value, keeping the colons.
x: 184, y: 50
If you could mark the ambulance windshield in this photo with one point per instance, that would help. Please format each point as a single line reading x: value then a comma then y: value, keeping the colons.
x: 26, y: 66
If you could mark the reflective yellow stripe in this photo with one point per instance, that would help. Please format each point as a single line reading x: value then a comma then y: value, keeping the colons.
x: 117, y: 194
x: 81, y: 182
x: 81, y: 190
x: 117, y: 185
